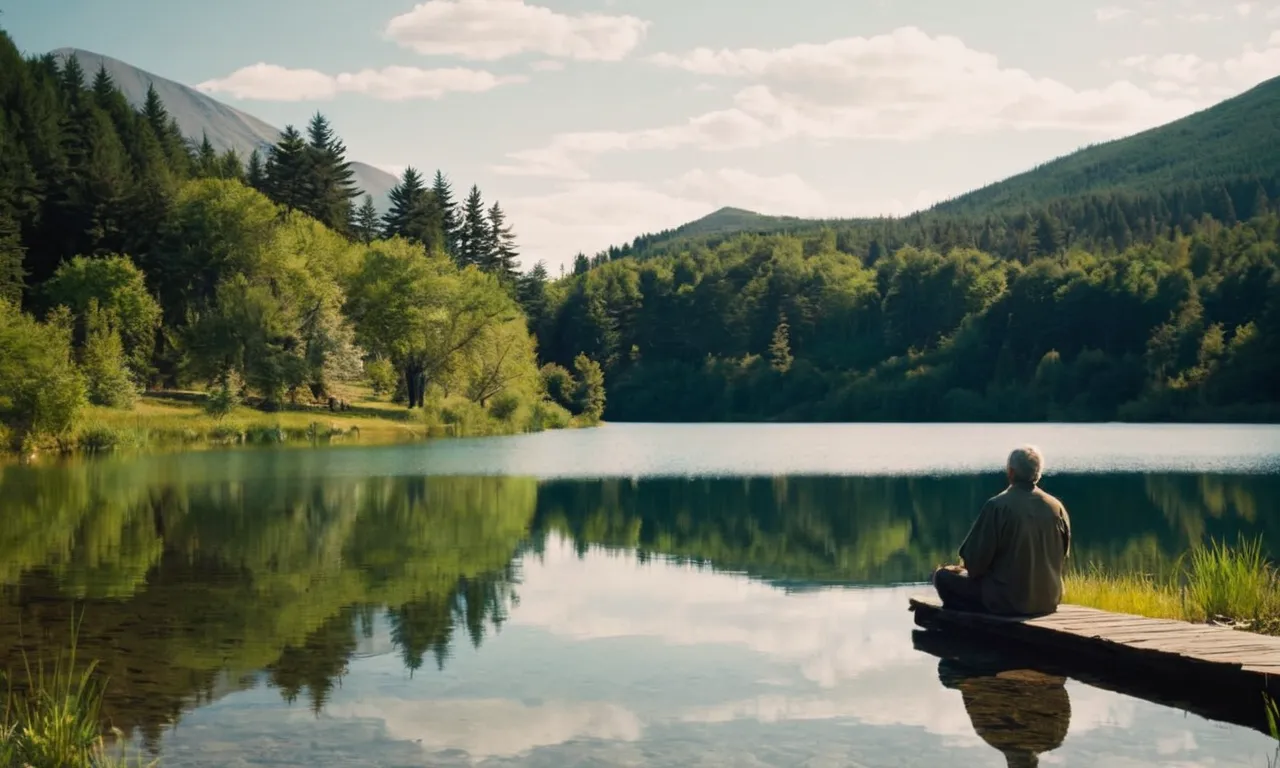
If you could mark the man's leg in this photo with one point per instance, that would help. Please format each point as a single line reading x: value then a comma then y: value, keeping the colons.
x: 957, y: 590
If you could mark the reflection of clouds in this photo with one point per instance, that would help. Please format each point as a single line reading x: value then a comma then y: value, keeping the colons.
x: 854, y: 644
x: 833, y: 635
x: 494, y: 727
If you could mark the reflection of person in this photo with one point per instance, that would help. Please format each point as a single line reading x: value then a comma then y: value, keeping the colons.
x: 1020, y: 712
x: 1014, y: 553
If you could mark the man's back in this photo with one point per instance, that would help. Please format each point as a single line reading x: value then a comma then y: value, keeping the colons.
x: 1017, y: 548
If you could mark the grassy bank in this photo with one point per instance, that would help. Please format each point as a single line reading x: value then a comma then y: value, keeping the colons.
x: 179, y: 419
x: 1215, y: 582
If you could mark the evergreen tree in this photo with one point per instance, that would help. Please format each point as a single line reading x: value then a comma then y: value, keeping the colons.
x: 207, y: 165
x: 443, y: 192
x: 1261, y: 202
x: 103, y: 87
x: 12, y: 274
x: 413, y: 213
x: 780, y: 358
x: 366, y: 221
x: 581, y: 264
x: 255, y: 175
x: 288, y: 173
x: 331, y: 186
x: 72, y: 80
x: 503, y: 257
x: 230, y: 166
x: 475, y: 243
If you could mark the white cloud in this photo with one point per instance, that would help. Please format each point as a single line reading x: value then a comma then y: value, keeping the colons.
x: 1244, y: 9
x: 1200, y: 17
x: 271, y: 82
x: 904, y: 86
x: 547, y: 65
x: 1111, y: 13
x: 484, y: 728
x: 1254, y: 65
x: 495, y: 29
x: 1274, y: 13
x: 1179, y: 67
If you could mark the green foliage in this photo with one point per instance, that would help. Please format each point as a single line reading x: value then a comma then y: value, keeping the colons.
x: 119, y: 288
x: 381, y: 375
x: 558, y: 383
x: 225, y: 396
x: 41, y: 390
x: 588, y: 396
x: 102, y: 360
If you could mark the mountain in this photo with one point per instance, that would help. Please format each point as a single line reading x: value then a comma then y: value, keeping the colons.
x: 1237, y: 138
x: 199, y: 115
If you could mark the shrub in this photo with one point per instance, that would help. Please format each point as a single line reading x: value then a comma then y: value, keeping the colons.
x: 382, y: 376
x: 103, y: 361
x: 559, y: 384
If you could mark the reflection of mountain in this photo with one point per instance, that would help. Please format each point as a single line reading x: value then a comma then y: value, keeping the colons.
x: 191, y: 584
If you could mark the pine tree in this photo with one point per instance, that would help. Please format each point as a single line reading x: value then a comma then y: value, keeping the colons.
x: 230, y: 166
x: 443, y: 192
x: 780, y: 358
x: 287, y: 170
x: 12, y: 253
x: 475, y: 243
x: 406, y: 198
x: 103, y: 88
x: 332, y: 184
x: 502, y: 246
x: 1261, y: 203
x: 154, y: 112
x: 255, y: 175
x: 207, y: 158
x: 366, y: 221
x: 72, y: 80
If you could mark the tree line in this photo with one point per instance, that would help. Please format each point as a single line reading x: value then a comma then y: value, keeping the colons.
x: 835, y: 324
x: 134, y: 259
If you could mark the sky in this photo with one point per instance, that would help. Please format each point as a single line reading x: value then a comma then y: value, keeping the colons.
x: 593, y: 121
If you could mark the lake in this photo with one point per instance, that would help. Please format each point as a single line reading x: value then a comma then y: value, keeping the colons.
x: 665, y: 595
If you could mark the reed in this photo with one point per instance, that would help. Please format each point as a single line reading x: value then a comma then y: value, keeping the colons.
x: 54, y: 720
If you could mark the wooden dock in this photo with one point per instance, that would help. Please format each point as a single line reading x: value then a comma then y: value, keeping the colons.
x: 1235, y: 662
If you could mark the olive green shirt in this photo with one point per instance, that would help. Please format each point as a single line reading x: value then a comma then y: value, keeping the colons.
x: 1016, y: 550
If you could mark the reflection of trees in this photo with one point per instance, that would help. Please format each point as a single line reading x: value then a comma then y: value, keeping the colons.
x: 186, y: 585
x: 891, y: 529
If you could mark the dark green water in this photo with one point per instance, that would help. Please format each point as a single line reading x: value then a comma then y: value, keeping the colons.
x: 616, y: 597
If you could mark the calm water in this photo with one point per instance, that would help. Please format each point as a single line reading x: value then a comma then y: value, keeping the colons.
x: 633, y: 595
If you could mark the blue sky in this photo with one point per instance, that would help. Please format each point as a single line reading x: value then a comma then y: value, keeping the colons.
x: 595, y: 120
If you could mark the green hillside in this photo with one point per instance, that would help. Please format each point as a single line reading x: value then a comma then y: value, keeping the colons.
x: 1231, y: 142
x: 1238, y: 137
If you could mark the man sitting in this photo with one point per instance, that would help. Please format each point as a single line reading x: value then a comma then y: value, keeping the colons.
x: 1012, y: 559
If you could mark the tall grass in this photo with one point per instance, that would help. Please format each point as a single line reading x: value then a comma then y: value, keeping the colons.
x: 1214, y: 581
x: 55, y: 720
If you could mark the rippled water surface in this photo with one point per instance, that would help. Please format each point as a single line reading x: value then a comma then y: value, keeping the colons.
x: 633, y: 595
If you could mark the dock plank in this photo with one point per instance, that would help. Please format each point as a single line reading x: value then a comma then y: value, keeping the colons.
x: 1213, y: 654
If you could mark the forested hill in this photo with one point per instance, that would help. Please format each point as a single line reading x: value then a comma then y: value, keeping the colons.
x: 199, y: 116
x: 1238, y: 137
x: 1137, y: 280
x: 1170, y: 172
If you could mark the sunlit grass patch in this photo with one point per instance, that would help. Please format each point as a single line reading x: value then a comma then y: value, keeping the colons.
x: 1213, y: 582
x: 1138, y: 594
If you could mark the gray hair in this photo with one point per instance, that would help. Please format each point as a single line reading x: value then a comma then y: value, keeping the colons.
x: 1026, y: 463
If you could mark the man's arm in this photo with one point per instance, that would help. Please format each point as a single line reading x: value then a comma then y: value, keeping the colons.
x: 979, y: 547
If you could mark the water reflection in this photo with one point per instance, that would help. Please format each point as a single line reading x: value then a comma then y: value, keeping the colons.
x: 1022, y: 713
x: 198, y: 587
